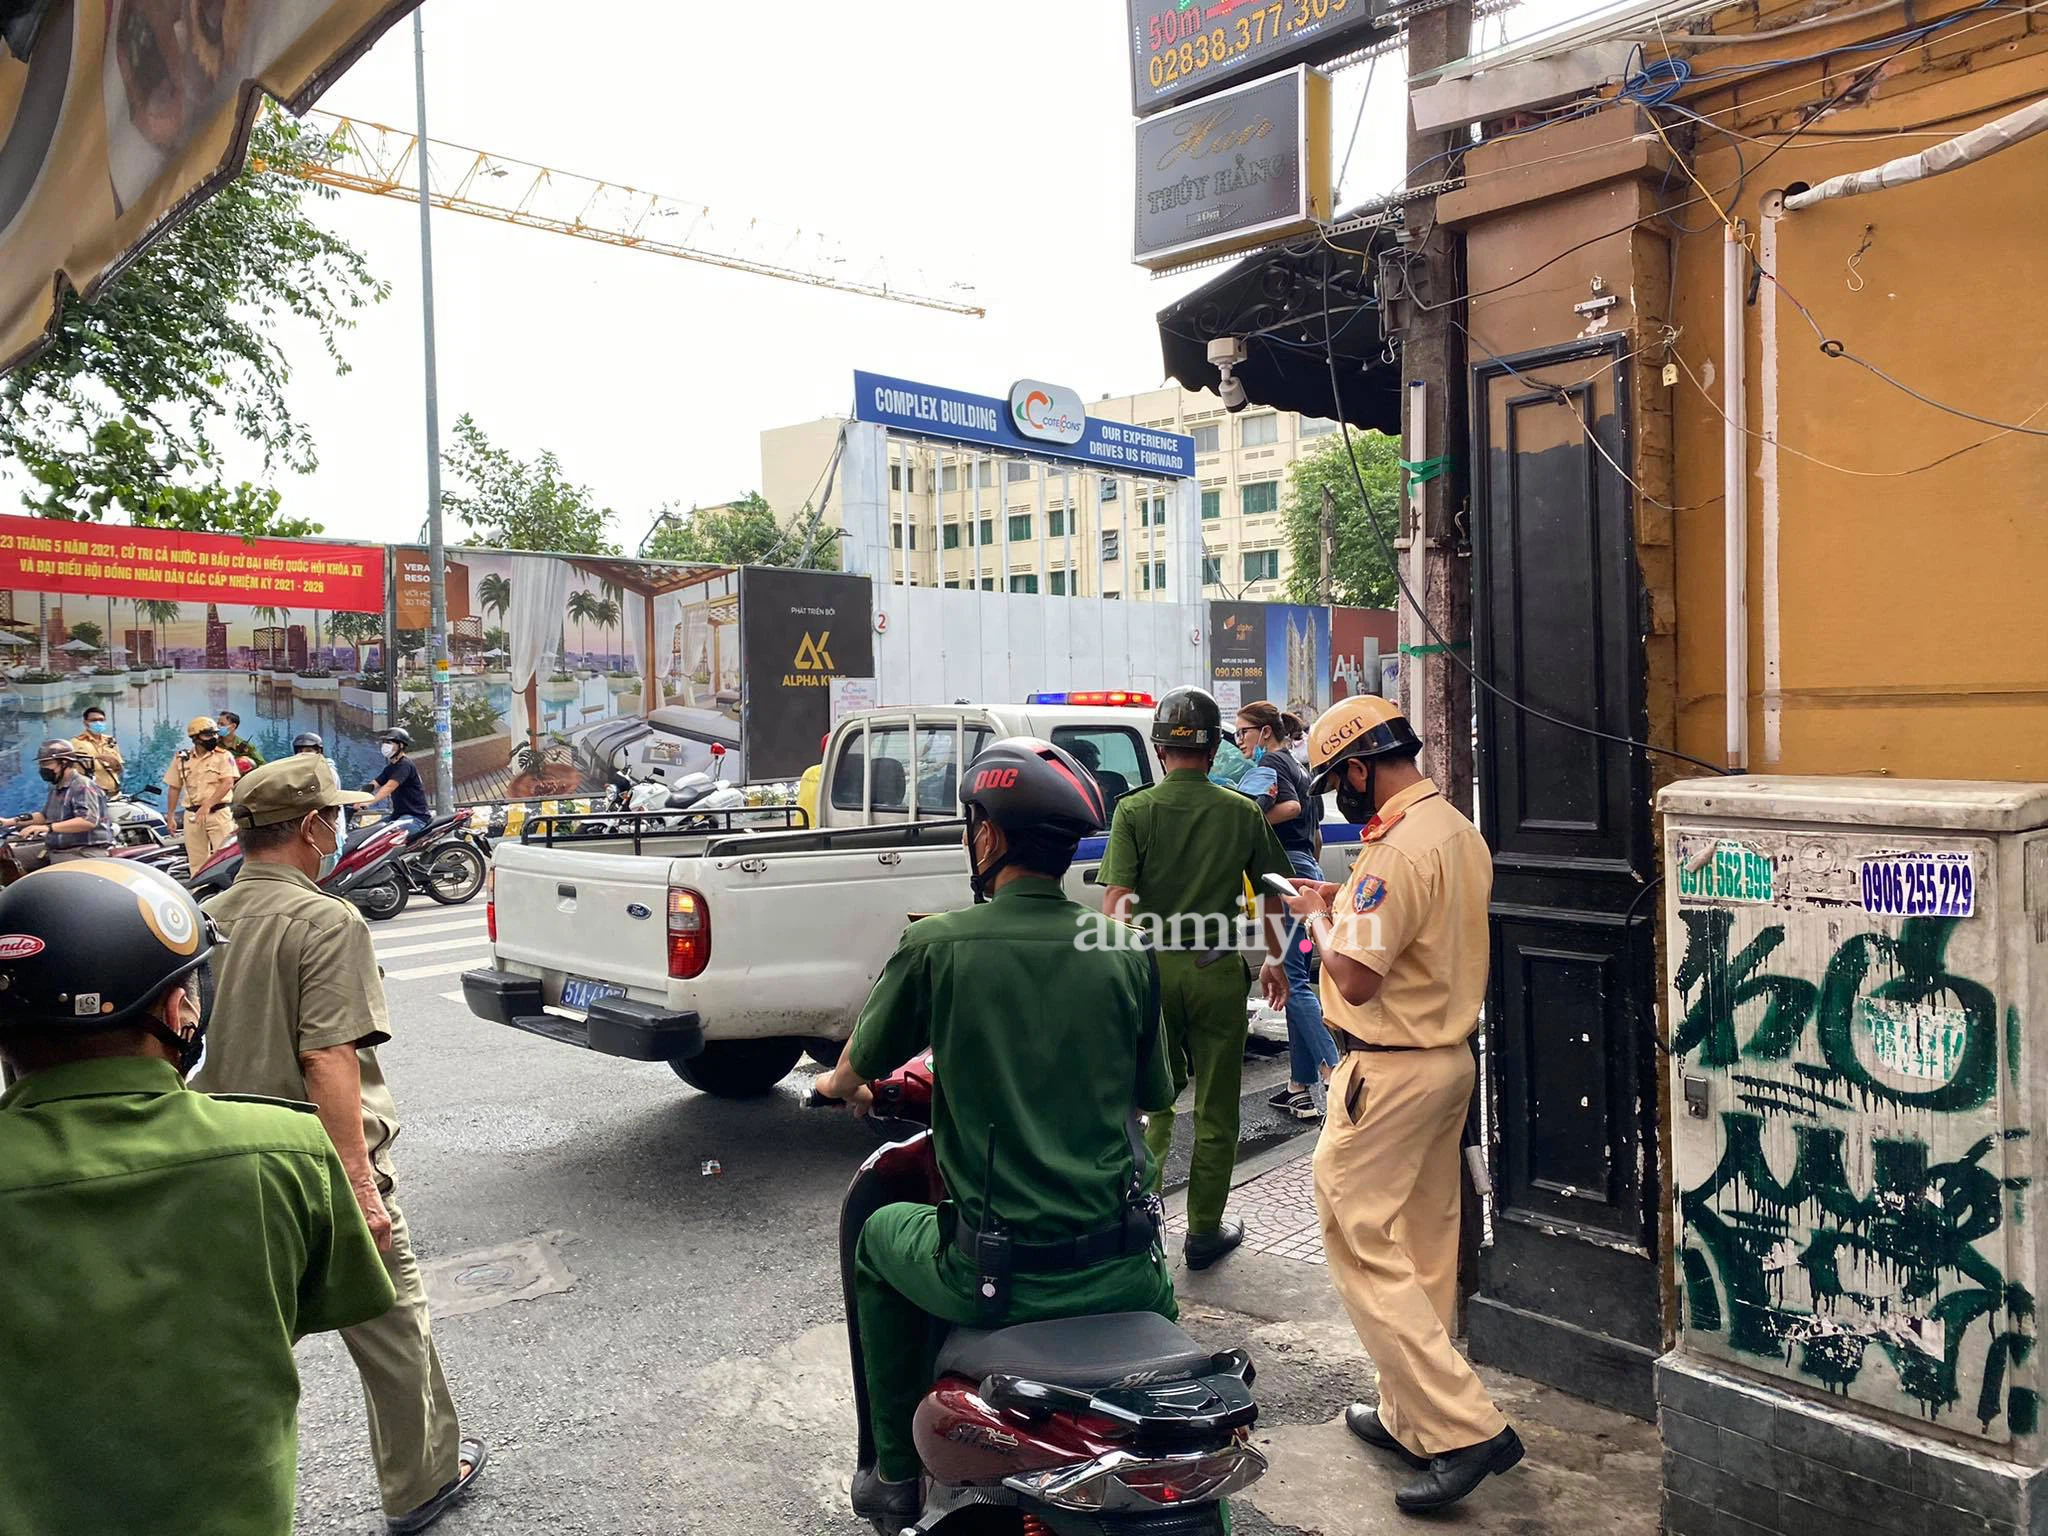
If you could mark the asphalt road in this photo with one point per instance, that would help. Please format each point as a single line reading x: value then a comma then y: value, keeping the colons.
x: 676, y: 1364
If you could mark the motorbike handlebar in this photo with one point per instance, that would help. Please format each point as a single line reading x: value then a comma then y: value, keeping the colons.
x: 817, y: 1100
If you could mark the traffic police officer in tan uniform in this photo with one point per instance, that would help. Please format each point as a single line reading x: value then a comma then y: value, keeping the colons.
x: 202, y: 779
x: 300, y: 1013
x: 100, y: 751
x: 1404, y: 949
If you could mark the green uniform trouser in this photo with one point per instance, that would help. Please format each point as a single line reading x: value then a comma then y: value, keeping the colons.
x: 414, y: 1433
x: 1203, y: 1021
x: 902, y: 1281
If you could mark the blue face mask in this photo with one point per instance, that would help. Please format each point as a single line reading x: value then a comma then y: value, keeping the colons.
x: 331, y: 858
x: 1258, y: 756
x: 97, y: 727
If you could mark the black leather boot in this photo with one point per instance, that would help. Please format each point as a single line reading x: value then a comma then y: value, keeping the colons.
x: 890, y: 1506
x: 1363, y: 1420
x: 1456, y: 1473
x: 1204, y: 1248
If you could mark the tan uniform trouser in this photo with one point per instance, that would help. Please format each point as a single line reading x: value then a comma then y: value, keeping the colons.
x: 205, y: 835
x: 1388, y: 1192
x: 414, y: 1432
x: 72, y: 855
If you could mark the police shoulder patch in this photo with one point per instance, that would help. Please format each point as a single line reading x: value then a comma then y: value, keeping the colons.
x: 1370, y: 891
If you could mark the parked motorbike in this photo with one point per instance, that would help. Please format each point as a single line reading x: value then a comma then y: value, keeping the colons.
x: 366, y: 873
x: 445, y: 861
x: 1111, y: 1425
x: 136, y: 821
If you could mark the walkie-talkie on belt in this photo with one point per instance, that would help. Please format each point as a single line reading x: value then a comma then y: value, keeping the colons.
x: 992, y: 1256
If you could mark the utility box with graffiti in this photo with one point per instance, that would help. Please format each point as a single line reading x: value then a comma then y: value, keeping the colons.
x: 1852, y: 965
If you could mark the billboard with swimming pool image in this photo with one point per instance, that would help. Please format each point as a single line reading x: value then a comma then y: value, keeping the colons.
x: 564, y: 670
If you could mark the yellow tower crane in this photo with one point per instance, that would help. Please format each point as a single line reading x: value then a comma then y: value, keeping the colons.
x: 370, y: 157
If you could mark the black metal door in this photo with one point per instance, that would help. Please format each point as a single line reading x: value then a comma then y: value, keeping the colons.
x: 1568, y: 1282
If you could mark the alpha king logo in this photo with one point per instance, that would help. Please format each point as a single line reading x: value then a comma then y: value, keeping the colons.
x: 813, y: 662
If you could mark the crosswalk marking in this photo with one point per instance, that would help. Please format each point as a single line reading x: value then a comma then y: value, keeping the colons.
x: 453, y: 997
x: 433, y: 912
x: 478, y: 942
x: 445, y: 968
x: 421, y: 930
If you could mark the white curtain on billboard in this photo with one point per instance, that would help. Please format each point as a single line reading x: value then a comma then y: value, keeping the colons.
x: 636, y: 633
x: 668, y: 614
x: 540, y: 595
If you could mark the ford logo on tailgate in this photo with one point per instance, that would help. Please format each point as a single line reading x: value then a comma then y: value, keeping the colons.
x: 636, y: 910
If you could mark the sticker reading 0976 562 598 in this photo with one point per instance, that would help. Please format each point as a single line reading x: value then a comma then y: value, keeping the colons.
x: 1920, y: 885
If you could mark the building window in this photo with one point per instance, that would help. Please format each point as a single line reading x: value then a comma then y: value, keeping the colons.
x: 1212, y: 570
x: 1317, y: 426
x: 952, y: 581
x: 1056, y: 523
x: 1154, y: 576
x: 1261, y: 565
x: 897, y: 530
x: 1020, y: 527
x: 1109, y: 489
x: 988, y: 583
x: 1015, y: 470
x: 1109, y: 543
x: 949, y: 478
x: 1024, y: 583
x: 1057, y: 584
x: 1260, y: 430
x: 1153, y: 513
x: 1208, y: 439
x: 1110, y: 597
x: 1212, y: 505
x: 988, y: 531
x: 1261, y: 498
x: 949, y: 536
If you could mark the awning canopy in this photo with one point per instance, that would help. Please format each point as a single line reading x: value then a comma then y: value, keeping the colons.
x: 645, y: 578
x: 116, y: 116
x: 1274, y: 300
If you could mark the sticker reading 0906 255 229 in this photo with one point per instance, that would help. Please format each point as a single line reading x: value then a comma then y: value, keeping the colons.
x: 1920, y: 885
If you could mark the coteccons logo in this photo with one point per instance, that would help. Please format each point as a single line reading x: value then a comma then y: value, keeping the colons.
x: 1051, y: 413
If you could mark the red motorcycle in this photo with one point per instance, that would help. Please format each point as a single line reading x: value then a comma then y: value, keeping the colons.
x: 367, y: 872
x: 1115, y: 1425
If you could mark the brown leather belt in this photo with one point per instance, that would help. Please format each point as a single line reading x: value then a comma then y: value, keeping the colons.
x: 1353, y: 1043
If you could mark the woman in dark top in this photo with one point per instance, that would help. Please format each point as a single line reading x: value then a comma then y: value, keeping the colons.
x: 1280, y: 785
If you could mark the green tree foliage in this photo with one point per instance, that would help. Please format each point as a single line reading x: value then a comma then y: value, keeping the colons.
x: 743, y: 532
x: 506, y: 503
x: 1361, y: 574
x: 88, y: 633
x: 125, y: 411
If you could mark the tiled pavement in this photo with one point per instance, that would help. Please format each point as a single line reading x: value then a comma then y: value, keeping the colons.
x: 1278, y: 1209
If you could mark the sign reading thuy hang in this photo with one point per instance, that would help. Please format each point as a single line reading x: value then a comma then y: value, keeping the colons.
x: 1233, y: 171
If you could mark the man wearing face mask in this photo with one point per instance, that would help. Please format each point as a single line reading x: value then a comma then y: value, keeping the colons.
x: 164, y: 1249
x: 400, y: 783
x: 301, y: 1012
x: 74, y: 821
x: 202, y: 779
x: 1404, y: 945
x: 97, y: 746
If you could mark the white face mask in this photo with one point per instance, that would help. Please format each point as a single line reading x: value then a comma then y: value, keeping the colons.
x: 390, y: 750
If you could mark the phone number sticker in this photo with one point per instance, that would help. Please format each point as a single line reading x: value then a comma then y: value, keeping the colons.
x: 1920, y: 885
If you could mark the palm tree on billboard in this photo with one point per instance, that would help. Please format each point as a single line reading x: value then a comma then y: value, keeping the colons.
x: 494, y: 594
x: 607, y: 613
x: 274, y: 618
x: 159, y: 612
x: 354, y: 630
x: 582, y: 607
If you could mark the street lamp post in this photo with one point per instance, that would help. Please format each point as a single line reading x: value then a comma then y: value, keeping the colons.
x: 437, y: 553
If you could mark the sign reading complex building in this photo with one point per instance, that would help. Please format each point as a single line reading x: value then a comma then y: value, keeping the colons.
x: 924, y: 410
x: 1181, y: 49
x: 1234, y: 171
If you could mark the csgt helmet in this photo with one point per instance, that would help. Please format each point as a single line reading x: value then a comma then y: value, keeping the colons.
x: 1364, y: 726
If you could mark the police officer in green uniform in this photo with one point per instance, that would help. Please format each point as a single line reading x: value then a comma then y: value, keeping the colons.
x: 163, y: 1248
x: 1042, y: 1017
x: 1180, y: 852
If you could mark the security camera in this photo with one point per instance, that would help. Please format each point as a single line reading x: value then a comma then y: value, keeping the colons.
x: 1226, y: 355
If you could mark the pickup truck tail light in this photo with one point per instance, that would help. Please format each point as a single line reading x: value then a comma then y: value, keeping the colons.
x: 491, y: 905
x: 689, y: 934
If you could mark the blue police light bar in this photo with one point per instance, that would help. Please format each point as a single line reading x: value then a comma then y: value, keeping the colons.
x: 1114, y: 698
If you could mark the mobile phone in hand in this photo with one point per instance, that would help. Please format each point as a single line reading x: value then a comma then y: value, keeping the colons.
x: 1281, y: 884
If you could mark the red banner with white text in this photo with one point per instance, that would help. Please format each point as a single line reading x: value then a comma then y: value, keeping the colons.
x: 103, y: 560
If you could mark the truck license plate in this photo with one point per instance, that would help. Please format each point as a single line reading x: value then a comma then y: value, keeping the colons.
x: 579, y: 992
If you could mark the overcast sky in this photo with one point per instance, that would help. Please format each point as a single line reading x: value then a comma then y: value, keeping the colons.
x: 986, y: 144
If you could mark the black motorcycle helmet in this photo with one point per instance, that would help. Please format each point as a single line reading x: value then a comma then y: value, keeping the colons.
x: 90, y: 945
x: 55, y: 750
x: 1044, y: 801
x: 1188, y: 720
x: 398, y: 734
x: 309, y: 741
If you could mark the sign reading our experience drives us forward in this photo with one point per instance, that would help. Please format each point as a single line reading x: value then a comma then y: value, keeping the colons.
x: 1114, y: 447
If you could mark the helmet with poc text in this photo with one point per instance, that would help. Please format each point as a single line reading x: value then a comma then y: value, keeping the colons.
x: 1043, y: 800
x: 1187, y: 720
x: 91, y: 944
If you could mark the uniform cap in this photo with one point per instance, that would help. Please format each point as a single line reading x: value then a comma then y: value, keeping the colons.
x: 288, y: 789
x: 1363, y: 726
x: 199, y: 724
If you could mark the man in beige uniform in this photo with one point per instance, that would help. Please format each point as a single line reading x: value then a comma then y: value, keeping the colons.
x: 1404, y: 947
x: 203, y: 780
x: 101, y: 752
x: 299, y: 1010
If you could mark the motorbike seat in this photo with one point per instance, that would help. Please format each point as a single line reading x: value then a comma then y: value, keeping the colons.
x: 438, y: 825
x: 1085, y: 1353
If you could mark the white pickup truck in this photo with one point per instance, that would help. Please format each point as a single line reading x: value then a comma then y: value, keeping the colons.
x: 730, y: 953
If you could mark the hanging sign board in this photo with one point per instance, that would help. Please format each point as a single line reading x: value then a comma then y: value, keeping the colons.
x: 1235, y: 171
x: 1182, y: 49
x: 955, y: 416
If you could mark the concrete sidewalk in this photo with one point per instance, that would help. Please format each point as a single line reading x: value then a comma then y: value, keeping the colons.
x: 1589, y: 1472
